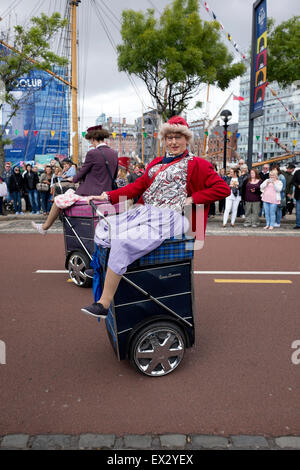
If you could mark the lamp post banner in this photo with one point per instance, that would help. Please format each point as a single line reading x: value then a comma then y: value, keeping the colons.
x: 259, y: 57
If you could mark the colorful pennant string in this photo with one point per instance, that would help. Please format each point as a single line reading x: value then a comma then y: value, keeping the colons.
x: 281, y: 102
x: 227, y: 35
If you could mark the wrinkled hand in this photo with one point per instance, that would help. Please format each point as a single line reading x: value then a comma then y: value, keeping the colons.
x: 102, y: 197
x: 188, y: 201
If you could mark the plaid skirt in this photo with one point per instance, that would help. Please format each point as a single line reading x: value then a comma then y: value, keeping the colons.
x: 135, y: 233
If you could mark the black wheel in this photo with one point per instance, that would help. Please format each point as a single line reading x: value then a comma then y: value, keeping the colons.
x: 157, y: 349
x: 77, y: 265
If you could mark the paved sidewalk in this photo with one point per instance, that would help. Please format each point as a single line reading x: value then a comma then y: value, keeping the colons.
x: 147, y: 442
x: 22, y: 224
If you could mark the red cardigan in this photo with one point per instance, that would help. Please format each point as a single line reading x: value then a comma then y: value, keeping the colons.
x: 204, y: 185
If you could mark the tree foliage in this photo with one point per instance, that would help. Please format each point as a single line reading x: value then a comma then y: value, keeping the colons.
x: 175, y: 54
x: 284, y: 51
x: 30, y: 50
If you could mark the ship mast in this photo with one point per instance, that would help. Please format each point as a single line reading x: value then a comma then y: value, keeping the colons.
x: 74, y: 80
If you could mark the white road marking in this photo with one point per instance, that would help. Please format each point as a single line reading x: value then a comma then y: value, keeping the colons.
x: 274, y: 273
x: 51, y: 271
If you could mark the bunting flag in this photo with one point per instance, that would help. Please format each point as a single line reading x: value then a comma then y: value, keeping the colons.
x: 145, y: 134
x: 293, y: 117
x: 35, y: 133
x: 16, y: 132
x: 25, y: 132
x: 7, y: 131
x: 276, y: 140
x: 294, y: 143
x: 238, y: 98
x: 267, y: 138
x: 229, y: 133
x: 114, y: 134
x: 83, y: 133
x: 238, y: 135
x: 155, y: 135
x: 226, y: 34
x: 206, y: 133
x: 257, y: 137
x: 217, y: 133
x: 52, y: 133
x: 124, y: 134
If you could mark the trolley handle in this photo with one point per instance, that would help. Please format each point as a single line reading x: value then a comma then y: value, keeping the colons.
x: 93, y: 205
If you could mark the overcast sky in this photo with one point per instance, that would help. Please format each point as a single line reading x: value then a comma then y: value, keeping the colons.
x: 103, y: 89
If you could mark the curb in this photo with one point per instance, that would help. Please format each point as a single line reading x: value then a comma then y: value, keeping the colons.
x: 91, y: 441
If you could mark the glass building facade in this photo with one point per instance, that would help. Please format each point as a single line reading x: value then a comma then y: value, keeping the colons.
x: 276, y: 121
x: 40, y: 130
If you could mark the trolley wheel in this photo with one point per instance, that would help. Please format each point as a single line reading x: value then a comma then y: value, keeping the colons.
x: 77, y: 265
x: 157, y: 349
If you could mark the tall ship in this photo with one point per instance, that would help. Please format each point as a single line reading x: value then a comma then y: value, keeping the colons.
x: 46, y: 125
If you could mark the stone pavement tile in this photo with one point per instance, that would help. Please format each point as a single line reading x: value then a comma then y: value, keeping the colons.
x: 288, y: 442
x: 15, y: 441
x: 54, y: 442
x: 173, y: 440
x: 246, y: 442
x: 96, y: 441
x: 134, y: 441
x: 119, y: 444
x: 208, y: 442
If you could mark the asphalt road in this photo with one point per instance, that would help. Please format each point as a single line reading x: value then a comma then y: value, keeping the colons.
x: 61, y: 374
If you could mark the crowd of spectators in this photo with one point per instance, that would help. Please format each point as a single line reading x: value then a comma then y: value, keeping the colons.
x: 36, y: 187
x: 272, y: 193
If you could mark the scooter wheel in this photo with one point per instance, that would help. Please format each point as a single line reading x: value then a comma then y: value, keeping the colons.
x: 77, y: 265
x: 157, y: 349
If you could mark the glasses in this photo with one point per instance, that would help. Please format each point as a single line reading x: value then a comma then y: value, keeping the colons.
x: 176, y: 137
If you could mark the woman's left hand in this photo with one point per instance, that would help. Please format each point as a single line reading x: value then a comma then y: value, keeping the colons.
x: 70, y: 179
x: 188, y: 201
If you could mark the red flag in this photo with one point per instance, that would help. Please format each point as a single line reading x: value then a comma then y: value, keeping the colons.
x: 35, y: 133
x: 238, y: 98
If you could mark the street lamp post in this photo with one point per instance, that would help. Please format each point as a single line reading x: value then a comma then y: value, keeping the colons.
x: 226, y: 116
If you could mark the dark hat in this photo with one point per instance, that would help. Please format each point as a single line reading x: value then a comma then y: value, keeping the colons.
x: 67, y: 160
x: 94, y: 128
x: 291, y: 166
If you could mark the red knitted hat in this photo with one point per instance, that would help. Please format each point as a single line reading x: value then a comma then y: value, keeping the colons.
x: 124, y: 162
x: 176, y: 124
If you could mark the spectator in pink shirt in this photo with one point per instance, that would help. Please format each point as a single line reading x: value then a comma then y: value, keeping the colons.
x: 271, y: 189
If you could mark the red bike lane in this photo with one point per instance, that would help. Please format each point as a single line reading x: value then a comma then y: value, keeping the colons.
x: 61, y: 374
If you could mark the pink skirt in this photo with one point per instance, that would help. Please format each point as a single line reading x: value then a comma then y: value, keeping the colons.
x: 68, y: 199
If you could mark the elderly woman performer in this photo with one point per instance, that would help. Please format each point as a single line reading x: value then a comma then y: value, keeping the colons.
x: 168, y: 184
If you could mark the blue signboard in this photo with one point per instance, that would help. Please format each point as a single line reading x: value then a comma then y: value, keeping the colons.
x: 259, y: 55
x: 42, y: 124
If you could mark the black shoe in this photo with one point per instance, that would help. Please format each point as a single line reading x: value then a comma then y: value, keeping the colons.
x: 96, y: 310
x: 296, y: 226
x: 89, y: 273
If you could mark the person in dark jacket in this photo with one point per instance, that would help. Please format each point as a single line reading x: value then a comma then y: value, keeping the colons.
x: 95, y: 176
x: 31, y: 179
x: 16, y: 186
x: 296, y: 184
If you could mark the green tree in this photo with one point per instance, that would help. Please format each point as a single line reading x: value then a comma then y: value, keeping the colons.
x: 30, y: 50
x: 175, y: 54
x: 284, y: 51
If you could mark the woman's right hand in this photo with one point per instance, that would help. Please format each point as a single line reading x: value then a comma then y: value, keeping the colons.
x: 102, y: 197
